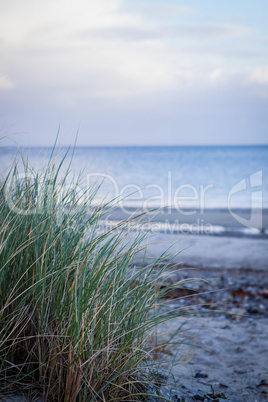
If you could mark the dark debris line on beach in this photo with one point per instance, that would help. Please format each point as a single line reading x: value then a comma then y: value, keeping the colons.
x: 240, y: 293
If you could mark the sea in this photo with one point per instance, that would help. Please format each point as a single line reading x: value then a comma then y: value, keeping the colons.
x: 187, y: 179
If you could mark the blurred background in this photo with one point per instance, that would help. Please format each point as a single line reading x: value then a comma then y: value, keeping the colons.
x: 143, y: 72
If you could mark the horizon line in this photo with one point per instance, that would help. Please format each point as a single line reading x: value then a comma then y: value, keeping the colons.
x: 133, y: 146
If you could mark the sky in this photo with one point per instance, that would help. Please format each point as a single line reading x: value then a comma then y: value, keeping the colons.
x: 132, y: 72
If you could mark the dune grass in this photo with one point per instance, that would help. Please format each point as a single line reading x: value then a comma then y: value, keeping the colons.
x: 75, y: 320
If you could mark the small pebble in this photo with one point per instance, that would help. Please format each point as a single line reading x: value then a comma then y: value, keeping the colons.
x: 201, y: 375
x: 241, y: 371
x: 198, y: 398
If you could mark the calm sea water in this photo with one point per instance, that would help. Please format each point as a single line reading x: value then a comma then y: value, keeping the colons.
x: 212, y: 177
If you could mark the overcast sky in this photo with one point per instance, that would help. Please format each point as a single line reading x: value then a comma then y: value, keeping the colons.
x: 132, y: 72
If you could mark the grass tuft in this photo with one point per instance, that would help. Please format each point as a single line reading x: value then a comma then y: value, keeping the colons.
x: 75, y: 320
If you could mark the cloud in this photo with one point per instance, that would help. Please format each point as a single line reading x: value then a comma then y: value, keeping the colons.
x: 101, y: 49
x: 65, y: 58
x: 119, y: 33
x: 145, y: 33
x: 20, y: 20
x: 259, y: 74
x: 6, y: 83
x: 158, y: 11
x: 208, y: 31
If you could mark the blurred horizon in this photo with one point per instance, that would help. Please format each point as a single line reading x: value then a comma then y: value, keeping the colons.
x: 163, y: 176
x: 7, y: 143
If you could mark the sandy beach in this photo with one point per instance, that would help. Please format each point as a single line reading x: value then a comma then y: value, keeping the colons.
x: 206, y: 252
x: 228, y: 304
x: 224, y: 338
x: 230, y: 352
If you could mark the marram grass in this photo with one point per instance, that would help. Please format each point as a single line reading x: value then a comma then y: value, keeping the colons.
x: 75, y: 320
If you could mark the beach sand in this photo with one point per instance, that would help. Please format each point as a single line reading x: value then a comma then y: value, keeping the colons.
x: 231, y: 350
x: 206, y: 252
x: 229, y: 356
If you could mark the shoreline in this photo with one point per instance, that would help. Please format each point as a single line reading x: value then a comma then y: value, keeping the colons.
x: 210, y: 251
x: 225, y: 248
x: 219, y: 222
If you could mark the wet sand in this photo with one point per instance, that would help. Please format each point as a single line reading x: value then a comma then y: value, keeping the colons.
x: 206, y: 252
